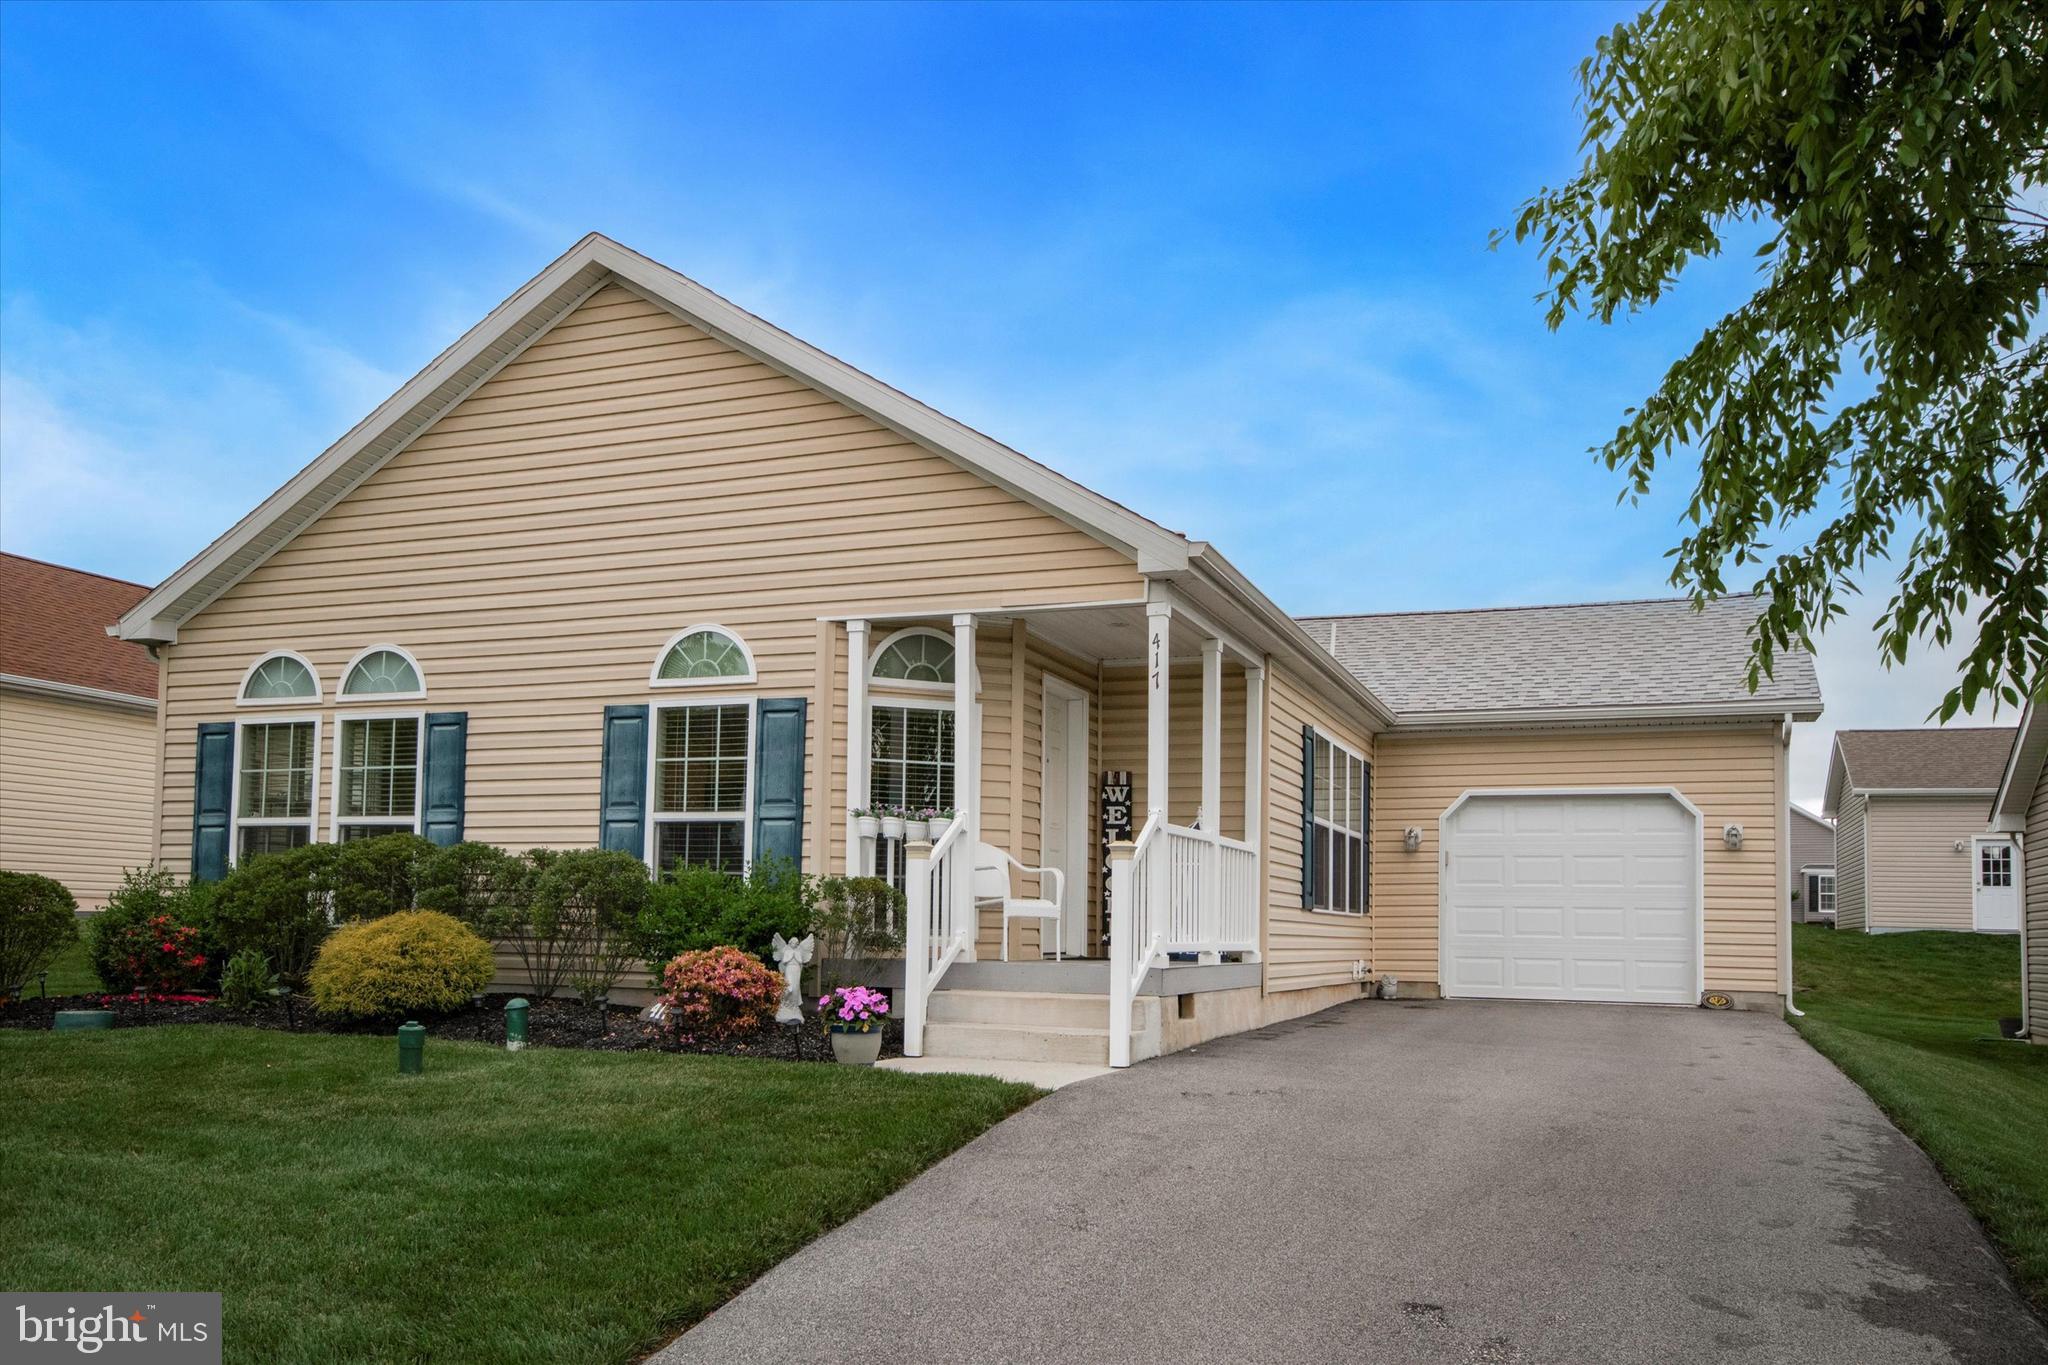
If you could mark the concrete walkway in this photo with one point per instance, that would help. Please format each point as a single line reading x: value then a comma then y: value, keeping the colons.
x: 1416, y: 1182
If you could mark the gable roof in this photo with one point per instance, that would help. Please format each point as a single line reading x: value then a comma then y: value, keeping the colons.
x: 538, y: 305
x: 2022, y: 771
x: 1961, y: 760
x: 1660, y: 658
x: 53, y: 631
x: 1813, y: 819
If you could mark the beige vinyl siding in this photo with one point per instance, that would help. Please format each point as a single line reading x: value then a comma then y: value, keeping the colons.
x: 77, y: 791
x: 1850, y: 861
x: 625, y: 476
x: 1307, y: 948
x: 1731, y: 774
x: 1917, y: 878
x: 2034, y: 860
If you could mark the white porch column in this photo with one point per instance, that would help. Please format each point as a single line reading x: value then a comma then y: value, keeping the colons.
x: 1158, y: 718
x: 917, y: 945
x: 1212, y: 793
x: 1254, y: 754
x: 859, y: 734
x: 966, y: 779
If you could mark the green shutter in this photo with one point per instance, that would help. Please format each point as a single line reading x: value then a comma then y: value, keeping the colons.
x: 1308, y: 816
x: 622, y: 818
x: 447, y: 750
x: 779, y: 778
x: 213, y: 787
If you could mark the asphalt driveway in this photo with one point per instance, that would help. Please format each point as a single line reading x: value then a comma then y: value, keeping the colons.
x: 1416, y: 1182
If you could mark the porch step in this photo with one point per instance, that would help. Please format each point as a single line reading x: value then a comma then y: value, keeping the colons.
x: 1020, y: 1043
x: 1036, y: 1009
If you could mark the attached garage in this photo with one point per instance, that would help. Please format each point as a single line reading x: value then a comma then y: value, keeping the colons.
x: 1571, y: 896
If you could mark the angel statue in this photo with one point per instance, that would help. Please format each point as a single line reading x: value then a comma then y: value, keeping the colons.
x: 792, y: 956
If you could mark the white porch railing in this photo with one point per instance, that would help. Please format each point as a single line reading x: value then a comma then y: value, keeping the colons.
x: 940, y: 922
x: 1175, y: 889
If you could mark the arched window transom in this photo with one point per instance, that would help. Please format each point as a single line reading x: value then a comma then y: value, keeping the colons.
x: 383, y: 671
x: 703, y: 654
x: 915, y: 656
x: 280, y: 677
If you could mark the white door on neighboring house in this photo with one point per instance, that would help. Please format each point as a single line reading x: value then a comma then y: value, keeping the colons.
x: 1063, y: 809
x: 1996, y: 901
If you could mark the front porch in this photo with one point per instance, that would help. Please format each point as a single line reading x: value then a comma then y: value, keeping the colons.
x: 1044, y: 883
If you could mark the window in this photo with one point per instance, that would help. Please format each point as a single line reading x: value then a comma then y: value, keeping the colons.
x: 1824, y: 894
x: 383, y: 671
x: 703, y: 654
x: 910, y: 764
x: 1994, y: 865
x: 1338, y: 825
x: 917, y: 656
x: 278, y: 677
x: 377, y: 777
x: 274, y: 786
x: 701, y: 781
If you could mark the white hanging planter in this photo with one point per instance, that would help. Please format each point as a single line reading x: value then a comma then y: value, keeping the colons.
x: 867, y: 826
x: 916, y: 829
x: 892, y: 827
x: 938, y: 825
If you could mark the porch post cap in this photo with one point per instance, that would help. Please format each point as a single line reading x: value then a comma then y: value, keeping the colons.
x: 918, y: 848
x: 1122, y: 848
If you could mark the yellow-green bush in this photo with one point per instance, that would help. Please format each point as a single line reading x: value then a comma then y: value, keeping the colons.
x: 414, y: 962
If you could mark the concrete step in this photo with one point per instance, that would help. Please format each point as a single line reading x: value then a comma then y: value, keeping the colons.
x: 1011, y: 1042
x: 1036, y: 1009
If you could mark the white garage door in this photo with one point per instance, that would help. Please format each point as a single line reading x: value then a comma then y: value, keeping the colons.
x: 1571, y: 898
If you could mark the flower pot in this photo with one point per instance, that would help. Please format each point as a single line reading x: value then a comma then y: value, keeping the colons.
x: 938, y: 825
x: 892, y: 827
x: 916, y: 829
x: 868, y: 826
x: 857, y: 1049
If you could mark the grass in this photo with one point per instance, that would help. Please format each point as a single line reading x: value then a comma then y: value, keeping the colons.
x: 1913, y: 1019
x: 545, y: 1205
x: 71, y: 973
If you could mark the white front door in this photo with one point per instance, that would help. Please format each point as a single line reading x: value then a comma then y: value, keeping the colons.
x: 1555, y: 896
x: 1063, y: 810
x: 1996, y: 901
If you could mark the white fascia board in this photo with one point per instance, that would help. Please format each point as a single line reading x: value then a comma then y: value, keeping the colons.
x: 1927, y: 791
x: 98, y: 696
x: 521, y: 319
x: 1566, y: 717
x: 2022, y: 773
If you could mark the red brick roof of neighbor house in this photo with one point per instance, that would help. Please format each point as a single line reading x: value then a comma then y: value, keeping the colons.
x: 53, y: 628
x: 1967, y: 758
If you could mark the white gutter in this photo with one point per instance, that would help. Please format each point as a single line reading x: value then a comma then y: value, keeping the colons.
x: 73, y: 692
x: 1785, y: 858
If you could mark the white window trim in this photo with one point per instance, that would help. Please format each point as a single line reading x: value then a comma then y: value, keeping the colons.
x: 341, y: 692
x: 419, y: 782
x: 236, y: 820
x: 654, y: 678
x: 654, y: 818
x: 242, y: 697
x: 917, y: 704
x: 914, y: 684
x: 1364, y: 835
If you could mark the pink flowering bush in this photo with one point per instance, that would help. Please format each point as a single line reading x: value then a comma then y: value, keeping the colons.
x: 854, y: 1009
x: 718, y: 993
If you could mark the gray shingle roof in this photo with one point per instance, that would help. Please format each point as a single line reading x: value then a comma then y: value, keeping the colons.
x: 1965, y: 759
x: 1599, y: 656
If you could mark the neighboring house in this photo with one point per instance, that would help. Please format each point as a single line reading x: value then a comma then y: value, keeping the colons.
x: 1813, y: 867
x: 78, y: 729
x: 1911, y: 851
x: 629, y: 566
x: 2019, y: 811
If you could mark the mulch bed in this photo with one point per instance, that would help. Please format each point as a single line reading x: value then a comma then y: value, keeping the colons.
x: 549, y: 1023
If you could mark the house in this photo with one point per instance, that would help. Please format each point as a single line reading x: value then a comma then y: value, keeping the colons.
x: 78, y: 730
x: 1813, y: 868
x: 1911, y: 851
x: 627, y: 565
x: 2019, y: 812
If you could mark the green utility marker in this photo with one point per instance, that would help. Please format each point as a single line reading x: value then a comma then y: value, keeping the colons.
x: 412, y: 1048
x: 515, y: 1024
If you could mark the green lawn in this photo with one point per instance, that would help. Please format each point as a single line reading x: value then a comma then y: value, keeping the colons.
x: 72, y: 973
x: 1913, y: 1019
x: 547, y: 1205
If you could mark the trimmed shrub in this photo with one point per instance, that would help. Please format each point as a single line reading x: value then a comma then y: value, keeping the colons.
x: 695, y: 908
x: 38, y: 918
x: 379, y: 876
x: 472, y: 881
x: 859, y: 921
x: 278, y: 904
x: 569, y: 921
x: 413, y: 962
x: 146, y: 894
x: 158, y: 956
x: 719, y: 993
x: 246, y: 982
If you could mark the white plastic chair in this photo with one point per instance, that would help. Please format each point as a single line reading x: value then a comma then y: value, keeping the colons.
x: 992, y: 885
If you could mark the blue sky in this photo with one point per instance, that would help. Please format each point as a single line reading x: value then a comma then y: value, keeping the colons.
x: 1226, y: 264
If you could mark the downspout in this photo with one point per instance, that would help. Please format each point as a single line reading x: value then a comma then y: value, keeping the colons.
x: 2019, y: 841
x: 1785, y: 863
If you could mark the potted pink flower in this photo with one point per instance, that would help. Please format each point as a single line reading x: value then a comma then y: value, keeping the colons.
x: 854, y: 1016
